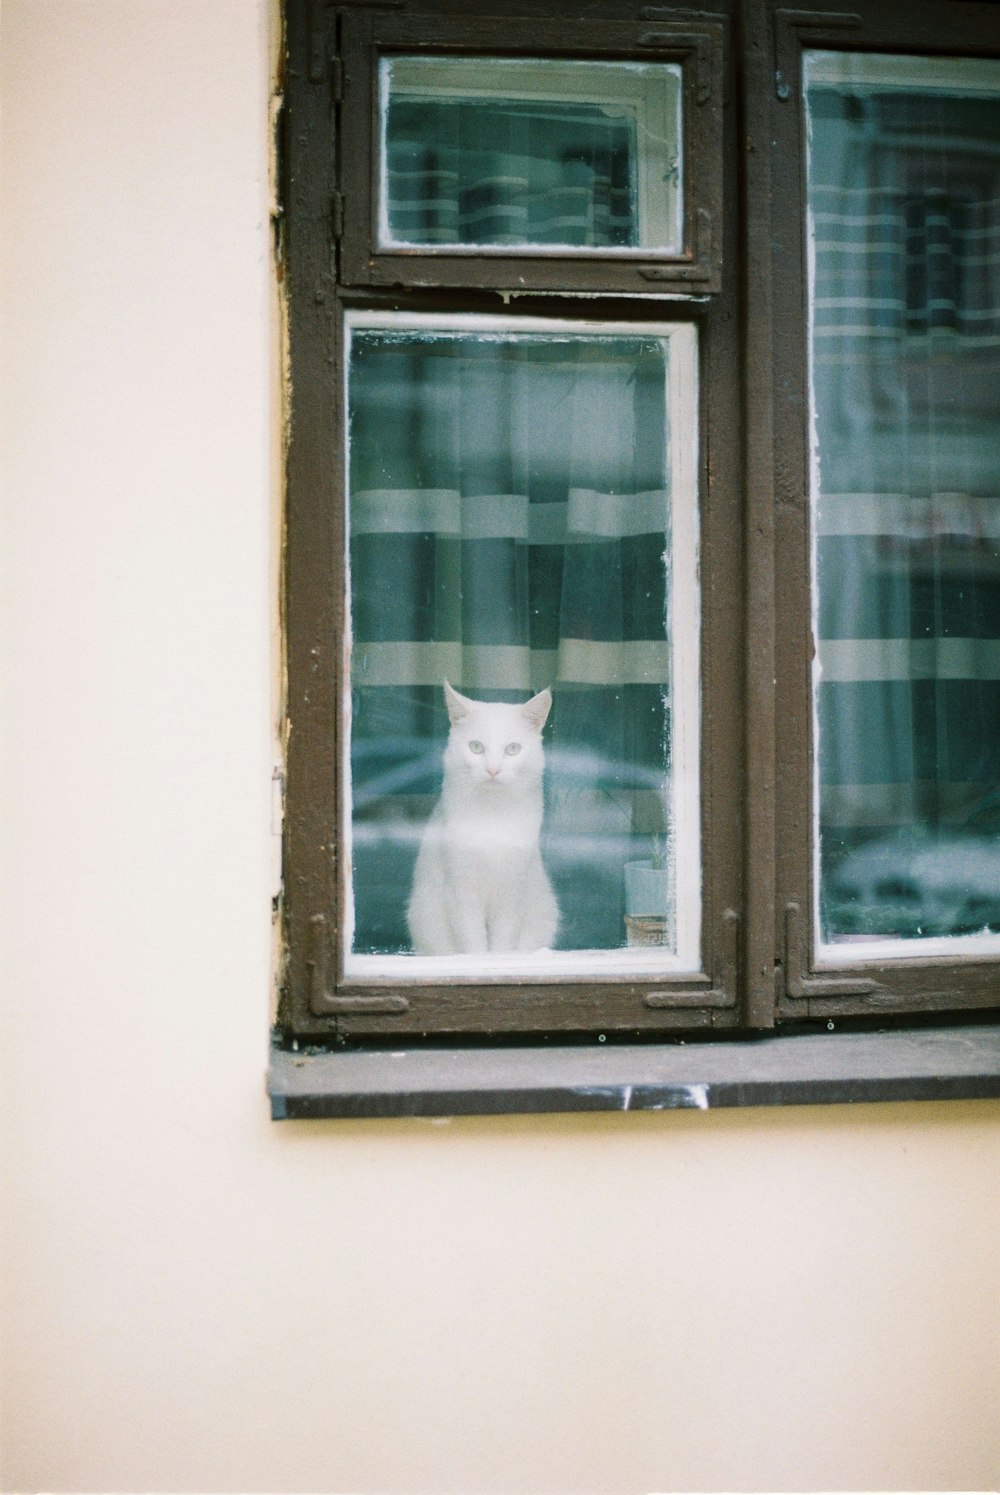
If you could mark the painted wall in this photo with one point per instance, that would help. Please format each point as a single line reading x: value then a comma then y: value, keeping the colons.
x: 195, y: 1299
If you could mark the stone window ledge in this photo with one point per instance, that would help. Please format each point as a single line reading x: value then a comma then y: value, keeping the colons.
x: 786, y: 1070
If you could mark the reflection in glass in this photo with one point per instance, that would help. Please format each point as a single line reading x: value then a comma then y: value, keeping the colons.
x: 904, y: 202
x: 493, y: 152
x: 513, y: 497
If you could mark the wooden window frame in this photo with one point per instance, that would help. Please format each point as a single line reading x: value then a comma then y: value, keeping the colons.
x: 367, y: 36
x: 812, y: 986
x: 747, y: 301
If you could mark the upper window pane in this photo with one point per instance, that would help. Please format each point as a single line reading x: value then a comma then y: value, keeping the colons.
x: 485, y: 153
x: 523, y: 527
x: 904, y: 201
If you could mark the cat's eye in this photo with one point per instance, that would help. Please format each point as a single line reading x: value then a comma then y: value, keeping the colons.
x: 476, y: 747
x: 512, y: 749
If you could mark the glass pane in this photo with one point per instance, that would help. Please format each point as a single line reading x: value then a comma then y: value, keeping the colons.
x: 517, y: 516
x: 904, y: 199
x: 486, y: 152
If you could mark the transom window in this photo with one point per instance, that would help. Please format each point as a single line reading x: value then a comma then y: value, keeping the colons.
x: 482, y: 153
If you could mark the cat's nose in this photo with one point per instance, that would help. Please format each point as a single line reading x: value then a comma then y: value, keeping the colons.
x: 492, y: 771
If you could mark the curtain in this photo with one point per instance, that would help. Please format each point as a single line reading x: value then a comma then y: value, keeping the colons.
x: 484, y: 171
x: 509, y: 516
x: 904, y: 194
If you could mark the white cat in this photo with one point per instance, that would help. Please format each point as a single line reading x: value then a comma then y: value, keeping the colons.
x: 479, y: 884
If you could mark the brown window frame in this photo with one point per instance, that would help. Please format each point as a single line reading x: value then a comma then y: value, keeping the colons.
x: 697, y: 45
x: 920, y: 984
x: 747, y: 298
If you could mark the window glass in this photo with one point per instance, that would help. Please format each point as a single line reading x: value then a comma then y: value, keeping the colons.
x: 482, y: 153
x: 522, y: 526
x: 904, y: 233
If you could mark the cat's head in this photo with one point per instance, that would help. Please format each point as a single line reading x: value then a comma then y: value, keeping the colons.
x: 491, y: 742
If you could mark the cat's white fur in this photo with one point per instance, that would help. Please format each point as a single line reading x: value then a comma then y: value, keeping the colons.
x: 479, y: 884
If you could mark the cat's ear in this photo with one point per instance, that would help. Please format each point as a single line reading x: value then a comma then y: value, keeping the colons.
x: 537, y: 709
x: 458, y: 706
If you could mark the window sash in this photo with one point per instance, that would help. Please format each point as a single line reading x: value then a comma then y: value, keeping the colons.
x: 683, y: 642
x: 367, y: 259
x: 818, y: 979
x: 645, y: 96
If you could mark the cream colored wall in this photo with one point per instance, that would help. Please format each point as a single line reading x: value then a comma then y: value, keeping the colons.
x: 196, y: 1299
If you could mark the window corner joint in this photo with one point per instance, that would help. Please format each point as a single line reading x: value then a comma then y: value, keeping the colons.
x: 799, y: 985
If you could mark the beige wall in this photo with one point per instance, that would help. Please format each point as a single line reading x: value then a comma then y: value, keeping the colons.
x: 196, y: 1299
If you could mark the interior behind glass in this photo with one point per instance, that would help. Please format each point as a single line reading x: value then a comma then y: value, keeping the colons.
x: 522, y: 516
x: 480, y: 154
x: 904, y: 234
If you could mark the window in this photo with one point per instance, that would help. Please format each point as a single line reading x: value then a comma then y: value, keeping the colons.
x: 479, y: 153
x: 522, y: 514
x: 643, y: 546
x: 903, y: 344
x: 583, y: 158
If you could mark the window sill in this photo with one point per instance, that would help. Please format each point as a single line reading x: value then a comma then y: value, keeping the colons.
x: 786, y: 1070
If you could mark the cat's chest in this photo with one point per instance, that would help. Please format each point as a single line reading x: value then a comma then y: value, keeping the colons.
x: 489, y: 834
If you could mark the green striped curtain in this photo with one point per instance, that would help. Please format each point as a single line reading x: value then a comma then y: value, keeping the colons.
x: 508, y: 531
x: 904, y: 197
x: 501, y: 171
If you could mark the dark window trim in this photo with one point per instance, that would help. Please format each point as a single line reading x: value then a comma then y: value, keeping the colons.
x: 695, y: 43
x: 758, y: 971
x: 320, y: 1002
x: 835, y: 989
x: 317, y: 1001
